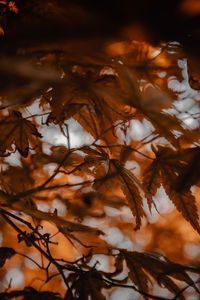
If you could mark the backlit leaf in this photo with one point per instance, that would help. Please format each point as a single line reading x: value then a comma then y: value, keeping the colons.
x: 142, y: 266
x: 165, y: 170
x: 16, y: 130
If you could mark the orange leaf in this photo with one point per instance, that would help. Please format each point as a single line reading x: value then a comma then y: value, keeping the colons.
x: 130, y: 191
x: 16, y: 130
x: 165, y: 169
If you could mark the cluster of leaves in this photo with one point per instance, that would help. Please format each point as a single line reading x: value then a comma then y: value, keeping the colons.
x: 105, y: 92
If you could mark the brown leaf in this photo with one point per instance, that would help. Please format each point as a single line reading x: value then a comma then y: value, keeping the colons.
x: 150, y: 103
x: 136, y: 273
x: 97, y: 158
x: 87, y: 285
x: 17, y: 179
x: 16, y: 130
x: 58, y: 221
x: 186, y: 204
x: 189, y: 174
x: 5, y: 253
x: 165, y: 170
x: 130, y: 191
x: 143, y: 264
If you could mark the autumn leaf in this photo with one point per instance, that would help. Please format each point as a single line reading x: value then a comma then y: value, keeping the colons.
x: 5, y: 253
x: 17, y: 179
x: 16, y: 130
x: 142, y: 266
x: 131, y: 192
x: 185, y: 203
x: 58, y: 155
x: 165, y: 170
x: 150, y: 103
x: 189, y: 174
x: 87, y: 285
x: 79, y: 97
x: 129, y: 184
x: 52, y: 217
x: 97, y: 158
x: 136, y: 273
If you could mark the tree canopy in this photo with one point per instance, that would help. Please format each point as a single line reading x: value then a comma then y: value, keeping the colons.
x: 99, y: 150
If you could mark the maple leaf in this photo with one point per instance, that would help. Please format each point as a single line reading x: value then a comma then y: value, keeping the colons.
x: 164, y: 170
x: 86, y: 285
x: 129, y: 184
x: 143, y: 264
x: 130, y: 191
x: 149, y: 103
x: 59, y: 155
x: 17, y: 179
x: 189, y: 174
x: 152, y: 103
x: 97, y: 158
x: 79, y: 97
x: 5, y: 253
x: 16, y: 130
x: 52, y: 217
x: 136, y: 273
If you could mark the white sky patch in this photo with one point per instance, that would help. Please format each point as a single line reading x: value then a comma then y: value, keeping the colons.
x: 163, y: 204
x: 125, y: 294
x: 126, y: 214
x: 189, y: 121
x: 182, y: 87
x: 50, y: 168
x: 78, y: 137
x: 127, y: 244
x: 138, y: 130
x: 176, y: 85
x: 16, y: 276
x: 34, y: 108
x: 111, y: 211
x: 162, y: 74
x: 162, y: 292
x: 52, y: 133
x: 186, y: 106
x: 13, y: 159
x: 60, y: 207
x: 156, y: 53
x: 121, y: 136
x: 43, y: 207
x: 101, y: 261
x: 192, y: 250
x: 133, y: 165
x: 114, y: 236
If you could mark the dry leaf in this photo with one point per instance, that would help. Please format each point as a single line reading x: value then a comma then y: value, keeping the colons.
x: 16, y: 130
